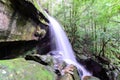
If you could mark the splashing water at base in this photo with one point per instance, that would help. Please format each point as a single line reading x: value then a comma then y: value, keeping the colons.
x: 62, y: 47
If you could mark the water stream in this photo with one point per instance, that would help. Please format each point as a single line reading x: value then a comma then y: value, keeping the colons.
x: 61, y: 47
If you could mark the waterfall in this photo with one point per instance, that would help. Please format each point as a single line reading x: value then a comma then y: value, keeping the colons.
x: 62, y: 48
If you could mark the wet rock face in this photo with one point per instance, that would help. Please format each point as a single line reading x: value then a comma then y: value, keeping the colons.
x: 12, y: 26
x: 4, y: 19
x: 19, y: 20
x: 4, y: 22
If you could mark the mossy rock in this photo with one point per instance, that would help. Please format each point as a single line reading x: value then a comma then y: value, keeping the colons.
x: 20, y: 69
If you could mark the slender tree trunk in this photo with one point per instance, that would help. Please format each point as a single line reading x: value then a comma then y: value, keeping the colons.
x: 96, y: 46
x: 103, y: 41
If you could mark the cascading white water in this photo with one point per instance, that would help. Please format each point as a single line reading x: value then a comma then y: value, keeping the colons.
x: 62, y: 46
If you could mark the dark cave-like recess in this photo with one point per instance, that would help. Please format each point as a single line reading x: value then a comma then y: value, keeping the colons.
x: 13, y: 49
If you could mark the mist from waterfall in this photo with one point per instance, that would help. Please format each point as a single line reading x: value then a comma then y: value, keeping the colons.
x: 62, y: 48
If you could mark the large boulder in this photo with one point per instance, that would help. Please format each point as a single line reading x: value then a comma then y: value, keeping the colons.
x: 23, y: 23
x: 20, y: 69
x: 20, y: 19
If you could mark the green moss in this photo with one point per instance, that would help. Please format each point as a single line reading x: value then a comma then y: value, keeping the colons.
x: 20, y: 69
x: 37, y: 5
